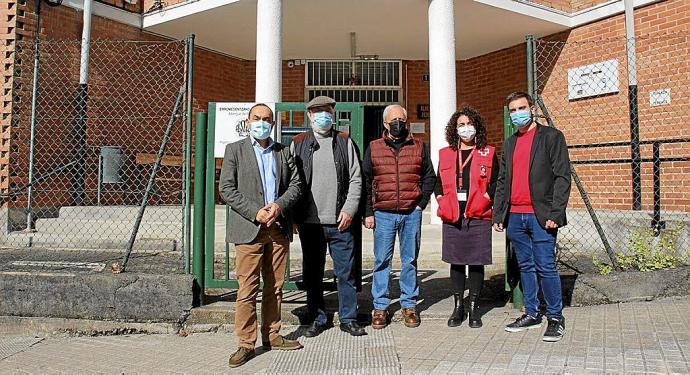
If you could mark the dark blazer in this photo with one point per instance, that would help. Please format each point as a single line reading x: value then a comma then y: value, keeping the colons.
x: 241, y: 188
x: 549, y: 177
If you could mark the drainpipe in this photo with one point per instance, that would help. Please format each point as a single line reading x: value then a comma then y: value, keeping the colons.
x: 82, y: 97
x: 632, y: 106
x: 32, y: 142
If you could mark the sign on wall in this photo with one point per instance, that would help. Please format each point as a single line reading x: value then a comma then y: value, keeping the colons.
x: 423, y: 111
x: 232, y: 125
x: 592, y: 80
x: 660, y: 97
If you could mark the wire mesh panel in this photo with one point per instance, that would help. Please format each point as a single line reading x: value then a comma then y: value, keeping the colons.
x: 81, y: 179
x: 628, y: 132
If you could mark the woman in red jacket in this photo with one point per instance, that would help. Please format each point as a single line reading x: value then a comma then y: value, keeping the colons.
x: 467, y: 173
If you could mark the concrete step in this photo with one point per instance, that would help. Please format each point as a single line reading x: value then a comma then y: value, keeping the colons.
x: 106, y: 227
x: 89, y: 241
x: 152, y: 213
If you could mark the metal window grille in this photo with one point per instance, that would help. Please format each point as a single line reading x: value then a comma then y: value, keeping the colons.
x: 371, y: 82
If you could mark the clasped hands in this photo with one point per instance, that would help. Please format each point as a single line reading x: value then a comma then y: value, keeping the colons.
x: 268, y: 214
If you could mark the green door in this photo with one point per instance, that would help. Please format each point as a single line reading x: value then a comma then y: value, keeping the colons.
x: 349, y: 117
x: 291, y: 119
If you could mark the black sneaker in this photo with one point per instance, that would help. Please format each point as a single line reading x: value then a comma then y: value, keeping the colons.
x: 523, y: 323
x: 555, y: 330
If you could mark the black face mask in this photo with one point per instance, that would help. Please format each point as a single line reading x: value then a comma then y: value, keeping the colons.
x: 398, y: 129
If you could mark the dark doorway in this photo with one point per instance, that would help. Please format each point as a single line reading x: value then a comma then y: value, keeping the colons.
x: 373, y: 122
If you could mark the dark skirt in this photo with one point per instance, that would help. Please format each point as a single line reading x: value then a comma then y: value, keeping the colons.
x: 469, y: 243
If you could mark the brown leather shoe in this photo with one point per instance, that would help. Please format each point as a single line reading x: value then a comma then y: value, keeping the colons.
x: 379, y: 319
x: 281, y: 343
x: 411, y: 317
x: 240, y: 357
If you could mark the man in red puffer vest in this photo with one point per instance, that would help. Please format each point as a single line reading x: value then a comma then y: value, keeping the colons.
x: 399, y: 181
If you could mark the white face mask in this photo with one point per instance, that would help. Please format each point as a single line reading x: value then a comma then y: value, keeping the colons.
x: 467, y: 132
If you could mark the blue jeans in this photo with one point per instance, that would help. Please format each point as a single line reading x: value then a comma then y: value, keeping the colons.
x: 314, y: 238
x: 408, y: 227
x: 535, y: 250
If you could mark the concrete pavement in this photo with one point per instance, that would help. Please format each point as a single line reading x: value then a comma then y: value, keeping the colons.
x: 627, y: 338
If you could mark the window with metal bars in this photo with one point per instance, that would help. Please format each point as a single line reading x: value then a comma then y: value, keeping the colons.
x: 370, y: 82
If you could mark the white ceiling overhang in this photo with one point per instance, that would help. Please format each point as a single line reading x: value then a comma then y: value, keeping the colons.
x: 387, y: 28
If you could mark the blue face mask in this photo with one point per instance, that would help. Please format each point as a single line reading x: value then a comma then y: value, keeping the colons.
x: 260, y: 129
x: 520, y: 119
x: 322, y: 120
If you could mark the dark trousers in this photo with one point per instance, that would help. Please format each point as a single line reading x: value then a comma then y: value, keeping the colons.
x: 314, y: 239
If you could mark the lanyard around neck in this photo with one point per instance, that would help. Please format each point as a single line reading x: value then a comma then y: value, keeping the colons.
x: 462, y: 164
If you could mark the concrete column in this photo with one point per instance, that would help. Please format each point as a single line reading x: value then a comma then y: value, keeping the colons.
x: 442, y: 95
x: 269, y: 44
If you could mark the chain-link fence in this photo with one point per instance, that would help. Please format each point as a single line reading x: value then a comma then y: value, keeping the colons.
x: 624, y: 107
x: 80, y: 165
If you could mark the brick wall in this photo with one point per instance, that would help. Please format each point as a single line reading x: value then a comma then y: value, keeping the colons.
x: 662, y: 49
x: 417, y: 91
x: 136, y: 8
x: 569, y: 6
x: 482, y: 82
x: 131, y: 96
x: 147, y: 4
x: 12, y: 26
x: 485, y: 81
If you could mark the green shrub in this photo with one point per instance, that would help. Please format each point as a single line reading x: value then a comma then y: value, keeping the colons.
x: 650, y: 253
x: 647, y: 252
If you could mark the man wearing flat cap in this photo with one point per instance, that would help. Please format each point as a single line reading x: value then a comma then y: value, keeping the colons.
x: 328, y: 164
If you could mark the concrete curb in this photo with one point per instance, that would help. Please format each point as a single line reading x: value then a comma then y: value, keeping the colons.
x: 103, y: 296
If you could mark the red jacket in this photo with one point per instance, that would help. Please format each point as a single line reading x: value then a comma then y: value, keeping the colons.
x: 397, y: 175
x: 478, y: 207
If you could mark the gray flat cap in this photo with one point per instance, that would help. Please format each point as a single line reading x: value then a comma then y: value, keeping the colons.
x: 320, y: 101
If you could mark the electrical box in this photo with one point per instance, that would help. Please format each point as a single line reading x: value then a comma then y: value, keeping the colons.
x: 593, y: 80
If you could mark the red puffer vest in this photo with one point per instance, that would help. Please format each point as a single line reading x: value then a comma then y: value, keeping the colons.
x: 397, y: 175
x: 477, y: 207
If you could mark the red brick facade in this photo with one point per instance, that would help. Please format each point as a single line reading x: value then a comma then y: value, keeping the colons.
x: 662, y: 49
x: 482, y: 82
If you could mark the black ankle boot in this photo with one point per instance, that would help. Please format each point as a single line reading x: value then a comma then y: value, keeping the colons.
x: 458, y: 314
x: 475, y: 317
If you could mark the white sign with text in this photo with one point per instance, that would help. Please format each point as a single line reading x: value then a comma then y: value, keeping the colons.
x: 232, y: 124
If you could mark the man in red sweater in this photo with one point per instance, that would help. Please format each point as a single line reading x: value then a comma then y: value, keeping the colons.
x: 532, y: 193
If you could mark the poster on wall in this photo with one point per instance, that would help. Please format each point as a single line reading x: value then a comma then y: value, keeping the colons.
x: 232, y: 124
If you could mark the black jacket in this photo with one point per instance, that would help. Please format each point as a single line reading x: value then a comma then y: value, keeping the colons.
x: 549, y: 177
x: 304, y: 146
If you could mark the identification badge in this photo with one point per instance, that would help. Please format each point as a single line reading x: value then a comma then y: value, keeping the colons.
x: 462, y: 195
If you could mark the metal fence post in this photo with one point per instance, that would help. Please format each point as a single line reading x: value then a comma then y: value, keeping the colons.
x: 517, y: 293
x: 82, y: 97
x: 198, y: 253
x: 529, y: 40
x: 187, y: 167
x: 152, y: 178
x: 657, y: 224
x: 32, y: 139
x: 631, y: 58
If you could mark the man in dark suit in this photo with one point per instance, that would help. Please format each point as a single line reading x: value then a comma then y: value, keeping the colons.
x: 260, y: 183
x: 532, y: 194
